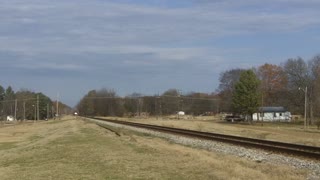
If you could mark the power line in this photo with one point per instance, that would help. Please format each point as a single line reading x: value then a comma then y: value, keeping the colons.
x: 137, y: 97
x: 18, y: 100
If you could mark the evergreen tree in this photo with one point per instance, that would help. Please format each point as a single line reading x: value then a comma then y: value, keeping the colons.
x: 45, y: 104
x: 2, y: 93
x: 9, y: 101
x: 246, y: 97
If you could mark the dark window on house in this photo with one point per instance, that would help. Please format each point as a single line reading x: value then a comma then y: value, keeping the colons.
x: 280, y: 114
x: 262, y: 114
x: 274, y: 114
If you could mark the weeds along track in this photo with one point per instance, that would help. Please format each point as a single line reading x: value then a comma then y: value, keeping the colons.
x: 312, y: 152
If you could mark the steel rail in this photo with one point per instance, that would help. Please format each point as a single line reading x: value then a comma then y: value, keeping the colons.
x: 274, y: 146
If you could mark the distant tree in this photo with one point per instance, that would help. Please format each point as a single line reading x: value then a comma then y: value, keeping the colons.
x: 103, y: 102
x: 199, y: 103
x: 297, y: 72
x: 298, y: 78
x: 108, y: 103
x: 45, y: 105
x: 86, y: 106
x: 26, y: 104
x: 131, y: 104
x: 9, y: 101
x: 9, y: 93
x: 2, y: 93
x: 149, y: 104
x: 64, y: 109
x: 314, y: 96
x: 228, y: 79
x: 170, y: 101
x: 246, y: 97
x: 273, y: 83
x: 171, y: 92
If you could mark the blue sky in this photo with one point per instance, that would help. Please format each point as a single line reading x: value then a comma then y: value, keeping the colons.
x: 147, y: 46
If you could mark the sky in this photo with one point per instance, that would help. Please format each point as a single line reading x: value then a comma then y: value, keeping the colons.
x: 69, y: 47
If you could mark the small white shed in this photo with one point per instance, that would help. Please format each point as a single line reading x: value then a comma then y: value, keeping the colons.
x: 10, y: 118
x: 181, y: 113
x: 272, y: 114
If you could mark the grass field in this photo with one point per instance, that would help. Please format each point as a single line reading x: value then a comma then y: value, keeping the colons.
x: 75, y: 149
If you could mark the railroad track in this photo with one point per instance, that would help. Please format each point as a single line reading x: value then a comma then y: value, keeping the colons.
x: 274, y: 146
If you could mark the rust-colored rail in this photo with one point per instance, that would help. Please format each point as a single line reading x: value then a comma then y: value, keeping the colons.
x: 274, y: 146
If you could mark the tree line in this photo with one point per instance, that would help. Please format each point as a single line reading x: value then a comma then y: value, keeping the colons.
x: 106, y: 102
x: 284, y: 85
x: 27, y: 105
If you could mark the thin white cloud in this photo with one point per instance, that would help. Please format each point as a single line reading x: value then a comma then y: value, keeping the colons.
x: 122, y: 23
x: 50, y: 66
x: 75, y: 27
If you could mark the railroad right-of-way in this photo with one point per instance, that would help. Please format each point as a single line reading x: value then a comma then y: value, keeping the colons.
x: 273, y: 146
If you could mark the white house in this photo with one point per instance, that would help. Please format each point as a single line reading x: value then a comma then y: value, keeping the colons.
x: 181, y: 113
x: 10, y: 118
x: 271, y: 114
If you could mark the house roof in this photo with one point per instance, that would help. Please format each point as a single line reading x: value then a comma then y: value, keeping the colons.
x: 272, y: 109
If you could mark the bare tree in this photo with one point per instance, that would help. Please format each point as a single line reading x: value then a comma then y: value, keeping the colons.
x: 298, y: 78
x: 274, y: 82
x: 228, y: 80
x: 170, y: 101
x: 314, y: 98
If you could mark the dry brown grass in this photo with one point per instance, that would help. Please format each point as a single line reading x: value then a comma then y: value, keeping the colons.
x: 74, y: 149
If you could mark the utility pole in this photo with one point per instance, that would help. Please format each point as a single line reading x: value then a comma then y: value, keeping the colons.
x: 57, y: 110
x: 15, y: 109
x: 35, y: 112
x: 262, y: 113
x: 305, y: 108
x: 52, y: 112
x: 305, y: 105
x: 160, y: 107
x: 47, y: 111
x: 24, y: 110
x: 155, y: 106
x: 179, y: 99
x: 139, y: 106
x: 38, y: 107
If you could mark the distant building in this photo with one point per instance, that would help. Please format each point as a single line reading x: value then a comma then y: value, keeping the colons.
x: 181, y: 113
x: 10, y: 118
x: 271, y: 114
